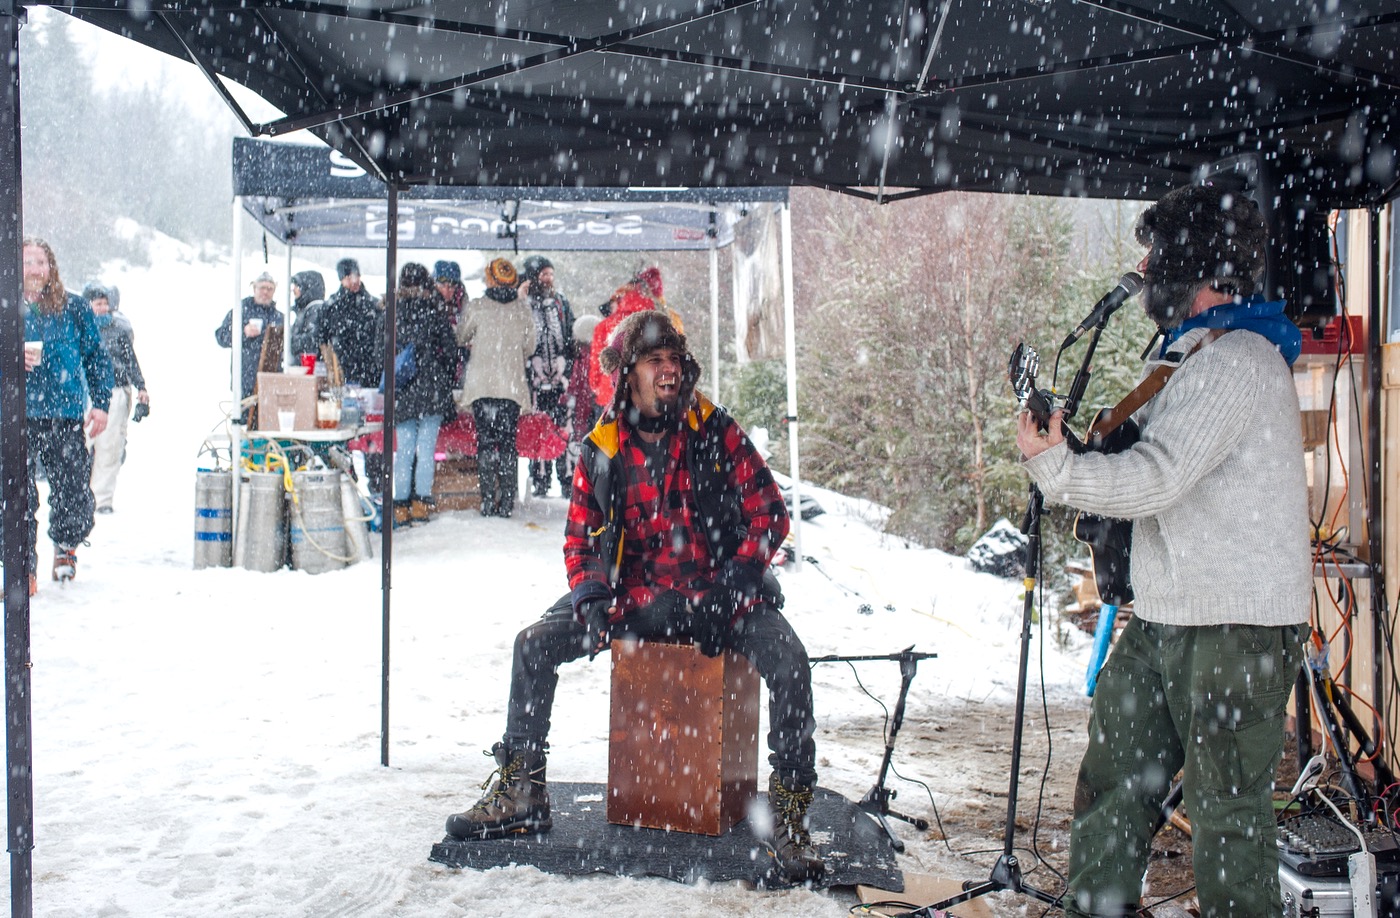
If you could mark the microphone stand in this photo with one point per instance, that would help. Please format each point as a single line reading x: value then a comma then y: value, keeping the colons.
x: 1006, y: 872
x: 876, y: 802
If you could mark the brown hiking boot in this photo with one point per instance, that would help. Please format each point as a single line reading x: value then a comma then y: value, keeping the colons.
x: 791, y: 843
x: 516, y: 799
x: 420, y: 510
x: 403, y: 514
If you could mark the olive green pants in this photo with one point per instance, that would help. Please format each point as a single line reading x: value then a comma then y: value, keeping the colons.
x: 1209, y: 700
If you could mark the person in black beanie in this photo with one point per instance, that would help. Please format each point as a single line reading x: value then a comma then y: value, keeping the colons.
x: 351, y: 323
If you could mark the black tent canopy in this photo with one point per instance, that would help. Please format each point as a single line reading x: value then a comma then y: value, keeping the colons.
x: 315, y: 196
x: 1105, y: 98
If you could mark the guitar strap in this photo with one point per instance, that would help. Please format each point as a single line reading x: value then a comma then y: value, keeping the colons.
x: 1111, y: 419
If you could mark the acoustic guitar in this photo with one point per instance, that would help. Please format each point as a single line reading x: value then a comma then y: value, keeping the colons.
x: 1110, y: 540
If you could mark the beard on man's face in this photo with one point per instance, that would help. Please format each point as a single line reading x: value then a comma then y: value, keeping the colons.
x: 1168, y: 303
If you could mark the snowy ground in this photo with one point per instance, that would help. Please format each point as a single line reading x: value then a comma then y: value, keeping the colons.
x: 207, y: 742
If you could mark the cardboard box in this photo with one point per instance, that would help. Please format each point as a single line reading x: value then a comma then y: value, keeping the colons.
x: 286, y: 391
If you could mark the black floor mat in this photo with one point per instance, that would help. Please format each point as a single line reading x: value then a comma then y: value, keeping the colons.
x: 854, y: 847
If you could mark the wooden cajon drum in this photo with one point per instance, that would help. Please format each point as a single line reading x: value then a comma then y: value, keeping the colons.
x: 683, y: 738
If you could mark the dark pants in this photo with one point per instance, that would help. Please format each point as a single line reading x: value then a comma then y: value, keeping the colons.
x: 59, y: 444
x: 1209, y: 701
x: 497, y: 457
x: 553, y: 404
x: 763, y: 636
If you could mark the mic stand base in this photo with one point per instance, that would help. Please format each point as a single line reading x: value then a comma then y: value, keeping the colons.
x: 1005, y: 877
x: 876, y: 803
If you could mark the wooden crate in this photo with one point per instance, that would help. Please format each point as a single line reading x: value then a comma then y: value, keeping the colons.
x: 455, y: 485
x: 683, y: 738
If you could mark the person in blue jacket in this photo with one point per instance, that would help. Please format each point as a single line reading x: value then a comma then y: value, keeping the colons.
x: 70, y: 371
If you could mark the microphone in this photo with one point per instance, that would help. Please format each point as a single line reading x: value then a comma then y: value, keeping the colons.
x: 1128, y: 286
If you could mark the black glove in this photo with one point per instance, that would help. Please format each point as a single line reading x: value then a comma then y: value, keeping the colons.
x: 713, y: 614
x: 597, y: 627
x: 142, y: 409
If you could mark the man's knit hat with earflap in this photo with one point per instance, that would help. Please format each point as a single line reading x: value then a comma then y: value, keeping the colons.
x: 1202, y: 234
x: 640, y: 334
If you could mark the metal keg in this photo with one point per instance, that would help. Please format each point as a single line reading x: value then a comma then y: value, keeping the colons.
x: 213, y: 519
x: 262, y: 523
x: 357, y: 513
x: 317, y: 522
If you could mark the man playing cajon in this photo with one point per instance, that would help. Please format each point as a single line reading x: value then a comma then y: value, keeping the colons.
x: 672, y: 524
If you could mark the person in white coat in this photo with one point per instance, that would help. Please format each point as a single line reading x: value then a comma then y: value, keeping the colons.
x: 500, y: 331
x: 128, y: 392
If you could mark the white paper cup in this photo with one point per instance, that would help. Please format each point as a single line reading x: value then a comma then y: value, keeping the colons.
x: 36, y: 348
x: 286, y: 419
x: 257, y: 325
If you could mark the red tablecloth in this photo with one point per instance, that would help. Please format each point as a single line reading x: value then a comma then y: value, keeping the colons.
x: 536, y: 438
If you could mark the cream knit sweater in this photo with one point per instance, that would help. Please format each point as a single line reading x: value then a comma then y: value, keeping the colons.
x: 1216, y: 490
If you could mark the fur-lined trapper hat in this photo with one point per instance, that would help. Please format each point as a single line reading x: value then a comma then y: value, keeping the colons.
x: 1202, y: 234
x: 640, y: 334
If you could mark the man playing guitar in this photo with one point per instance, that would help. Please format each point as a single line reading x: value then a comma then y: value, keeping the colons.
x: 1215, y: 488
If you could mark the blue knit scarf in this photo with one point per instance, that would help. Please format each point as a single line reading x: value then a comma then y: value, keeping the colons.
x: 1256, y: 314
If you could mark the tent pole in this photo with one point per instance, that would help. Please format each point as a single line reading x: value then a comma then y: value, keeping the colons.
x: 1380, y: 612
x: 235, y: 440
x: 14, y: 457
x: 287, y: 325
x: 790, y: 348
x: 738, y: 305
x: 714, y: 317
x: 386, y: 484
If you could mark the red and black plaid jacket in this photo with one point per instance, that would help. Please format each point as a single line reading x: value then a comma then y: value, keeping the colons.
x: 630, y: 541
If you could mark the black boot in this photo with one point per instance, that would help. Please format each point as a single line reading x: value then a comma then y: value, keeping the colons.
x: 488, y: 473
x: 539, y: 478
x: 791, y: 843
x: 516, y: 799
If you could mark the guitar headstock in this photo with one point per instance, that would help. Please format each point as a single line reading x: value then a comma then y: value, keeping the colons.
x: 1024, y: 365
x: 1022, y: 370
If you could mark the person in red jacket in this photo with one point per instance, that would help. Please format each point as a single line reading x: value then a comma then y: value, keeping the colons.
x: 644, y: 291
x: 672, y: 527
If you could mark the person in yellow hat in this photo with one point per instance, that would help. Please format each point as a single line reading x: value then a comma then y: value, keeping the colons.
x: 500, y: 331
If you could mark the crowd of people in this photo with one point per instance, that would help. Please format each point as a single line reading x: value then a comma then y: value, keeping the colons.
x: 83, y: 384
x: 516, y: 349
